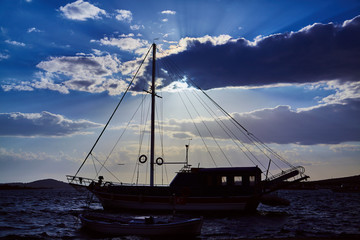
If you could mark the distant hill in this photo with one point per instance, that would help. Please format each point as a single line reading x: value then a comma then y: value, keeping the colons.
x: 48, y: 183
x: 40, y: 184
x: 345, y: 184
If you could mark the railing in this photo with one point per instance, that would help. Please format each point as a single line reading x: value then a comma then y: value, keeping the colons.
x: 81, y: 181
x: 300, y: 170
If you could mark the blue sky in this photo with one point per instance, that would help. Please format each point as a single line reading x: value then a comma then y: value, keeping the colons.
x: 289, y: 71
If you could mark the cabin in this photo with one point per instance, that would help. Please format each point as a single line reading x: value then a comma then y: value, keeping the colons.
x: 235, y: 181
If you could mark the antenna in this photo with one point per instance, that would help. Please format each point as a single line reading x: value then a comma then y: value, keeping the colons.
x: 187, y: 153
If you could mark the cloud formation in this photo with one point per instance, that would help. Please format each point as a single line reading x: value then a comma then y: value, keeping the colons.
x: 168, y: 12
x: 4, y: 56
x: 126, y: 43
x: 81, y: 11
x: 15, y: 43
x: 43, y: 124
x: 81, y: 66
x: 124, y: 15
x: 315, y: 53
x: 326, y: 124
x: 33, y: 29
x: 137, y: 27
x: 87, y: 73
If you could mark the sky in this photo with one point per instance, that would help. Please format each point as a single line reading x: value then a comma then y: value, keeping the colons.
x: 288, y: 71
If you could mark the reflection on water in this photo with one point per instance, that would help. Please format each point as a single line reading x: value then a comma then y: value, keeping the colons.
x: 51, y: 214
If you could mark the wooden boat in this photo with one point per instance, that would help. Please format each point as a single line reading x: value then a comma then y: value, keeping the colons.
x: 142, y: 226
x: 208, y: 190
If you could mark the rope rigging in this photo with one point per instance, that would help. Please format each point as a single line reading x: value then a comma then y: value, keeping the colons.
x: 112, y: 115
x: 227, y: 122
x: 175, y: 73
x: 198, y: 131
x: 118, y: 140
x: 207, y: 128
x: 233, y: 136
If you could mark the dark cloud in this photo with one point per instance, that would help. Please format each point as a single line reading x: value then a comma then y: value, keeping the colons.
x: 81, y: 66
x: 182, y: 135
x: 76, y: 63
x: 41, y: 124
x: 328, y: 124
x: 317, y: 52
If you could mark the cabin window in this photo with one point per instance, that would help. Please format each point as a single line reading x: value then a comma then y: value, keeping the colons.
x: 223, y: 180
x: 238, y: 180
x: 252, y: 180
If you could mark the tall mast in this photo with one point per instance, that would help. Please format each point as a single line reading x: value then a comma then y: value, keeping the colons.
x: 153, y: 94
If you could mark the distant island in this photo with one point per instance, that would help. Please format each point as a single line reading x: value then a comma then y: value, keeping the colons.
x: 40, y: 184
x: 344, y: 184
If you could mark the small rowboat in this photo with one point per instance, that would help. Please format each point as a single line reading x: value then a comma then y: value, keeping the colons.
x: 143, y: 226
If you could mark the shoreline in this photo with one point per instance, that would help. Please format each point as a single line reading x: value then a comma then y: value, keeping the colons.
x: 339, y: 237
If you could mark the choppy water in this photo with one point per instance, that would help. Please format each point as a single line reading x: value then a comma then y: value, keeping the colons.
x: 51, y: 214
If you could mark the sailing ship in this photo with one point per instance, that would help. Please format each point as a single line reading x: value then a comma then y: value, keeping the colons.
x: 215, y: 189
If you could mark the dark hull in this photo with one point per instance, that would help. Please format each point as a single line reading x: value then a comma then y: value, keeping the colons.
x: 116, y: 226
x: 115, y: 201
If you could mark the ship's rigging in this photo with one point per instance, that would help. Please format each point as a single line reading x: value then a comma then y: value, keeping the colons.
x: 247, y: 143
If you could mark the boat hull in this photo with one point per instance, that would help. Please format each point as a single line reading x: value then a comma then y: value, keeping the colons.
x: 117, y: 202
x: 190, y: 227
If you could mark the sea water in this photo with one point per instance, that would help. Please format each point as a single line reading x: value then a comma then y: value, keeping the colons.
x: 52, y: 214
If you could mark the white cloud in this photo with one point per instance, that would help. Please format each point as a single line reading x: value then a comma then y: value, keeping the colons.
x: 22, y: 86
x: 129, y: 67
x: 176, y: 86
x: 15, y: 43
x: 88, y: 73
x: 44, y: 124
x: 113, y: 86
x: 184, y: 43
x: 20, y: 155
x: 346, y: 147
x: 164, y: 20
x: 81, y: 11
x: 124, y: 15
x: 136, y: 27
x: 344, y: 91
x: 127, y: 35
x: 127, y: 43
x: 46, y: 80
x: 97, y: 52
x: 82, y: 67
x: 33, y: 29
x: 169, y: 12
x: 84, y: 73
x: 4, y: 56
